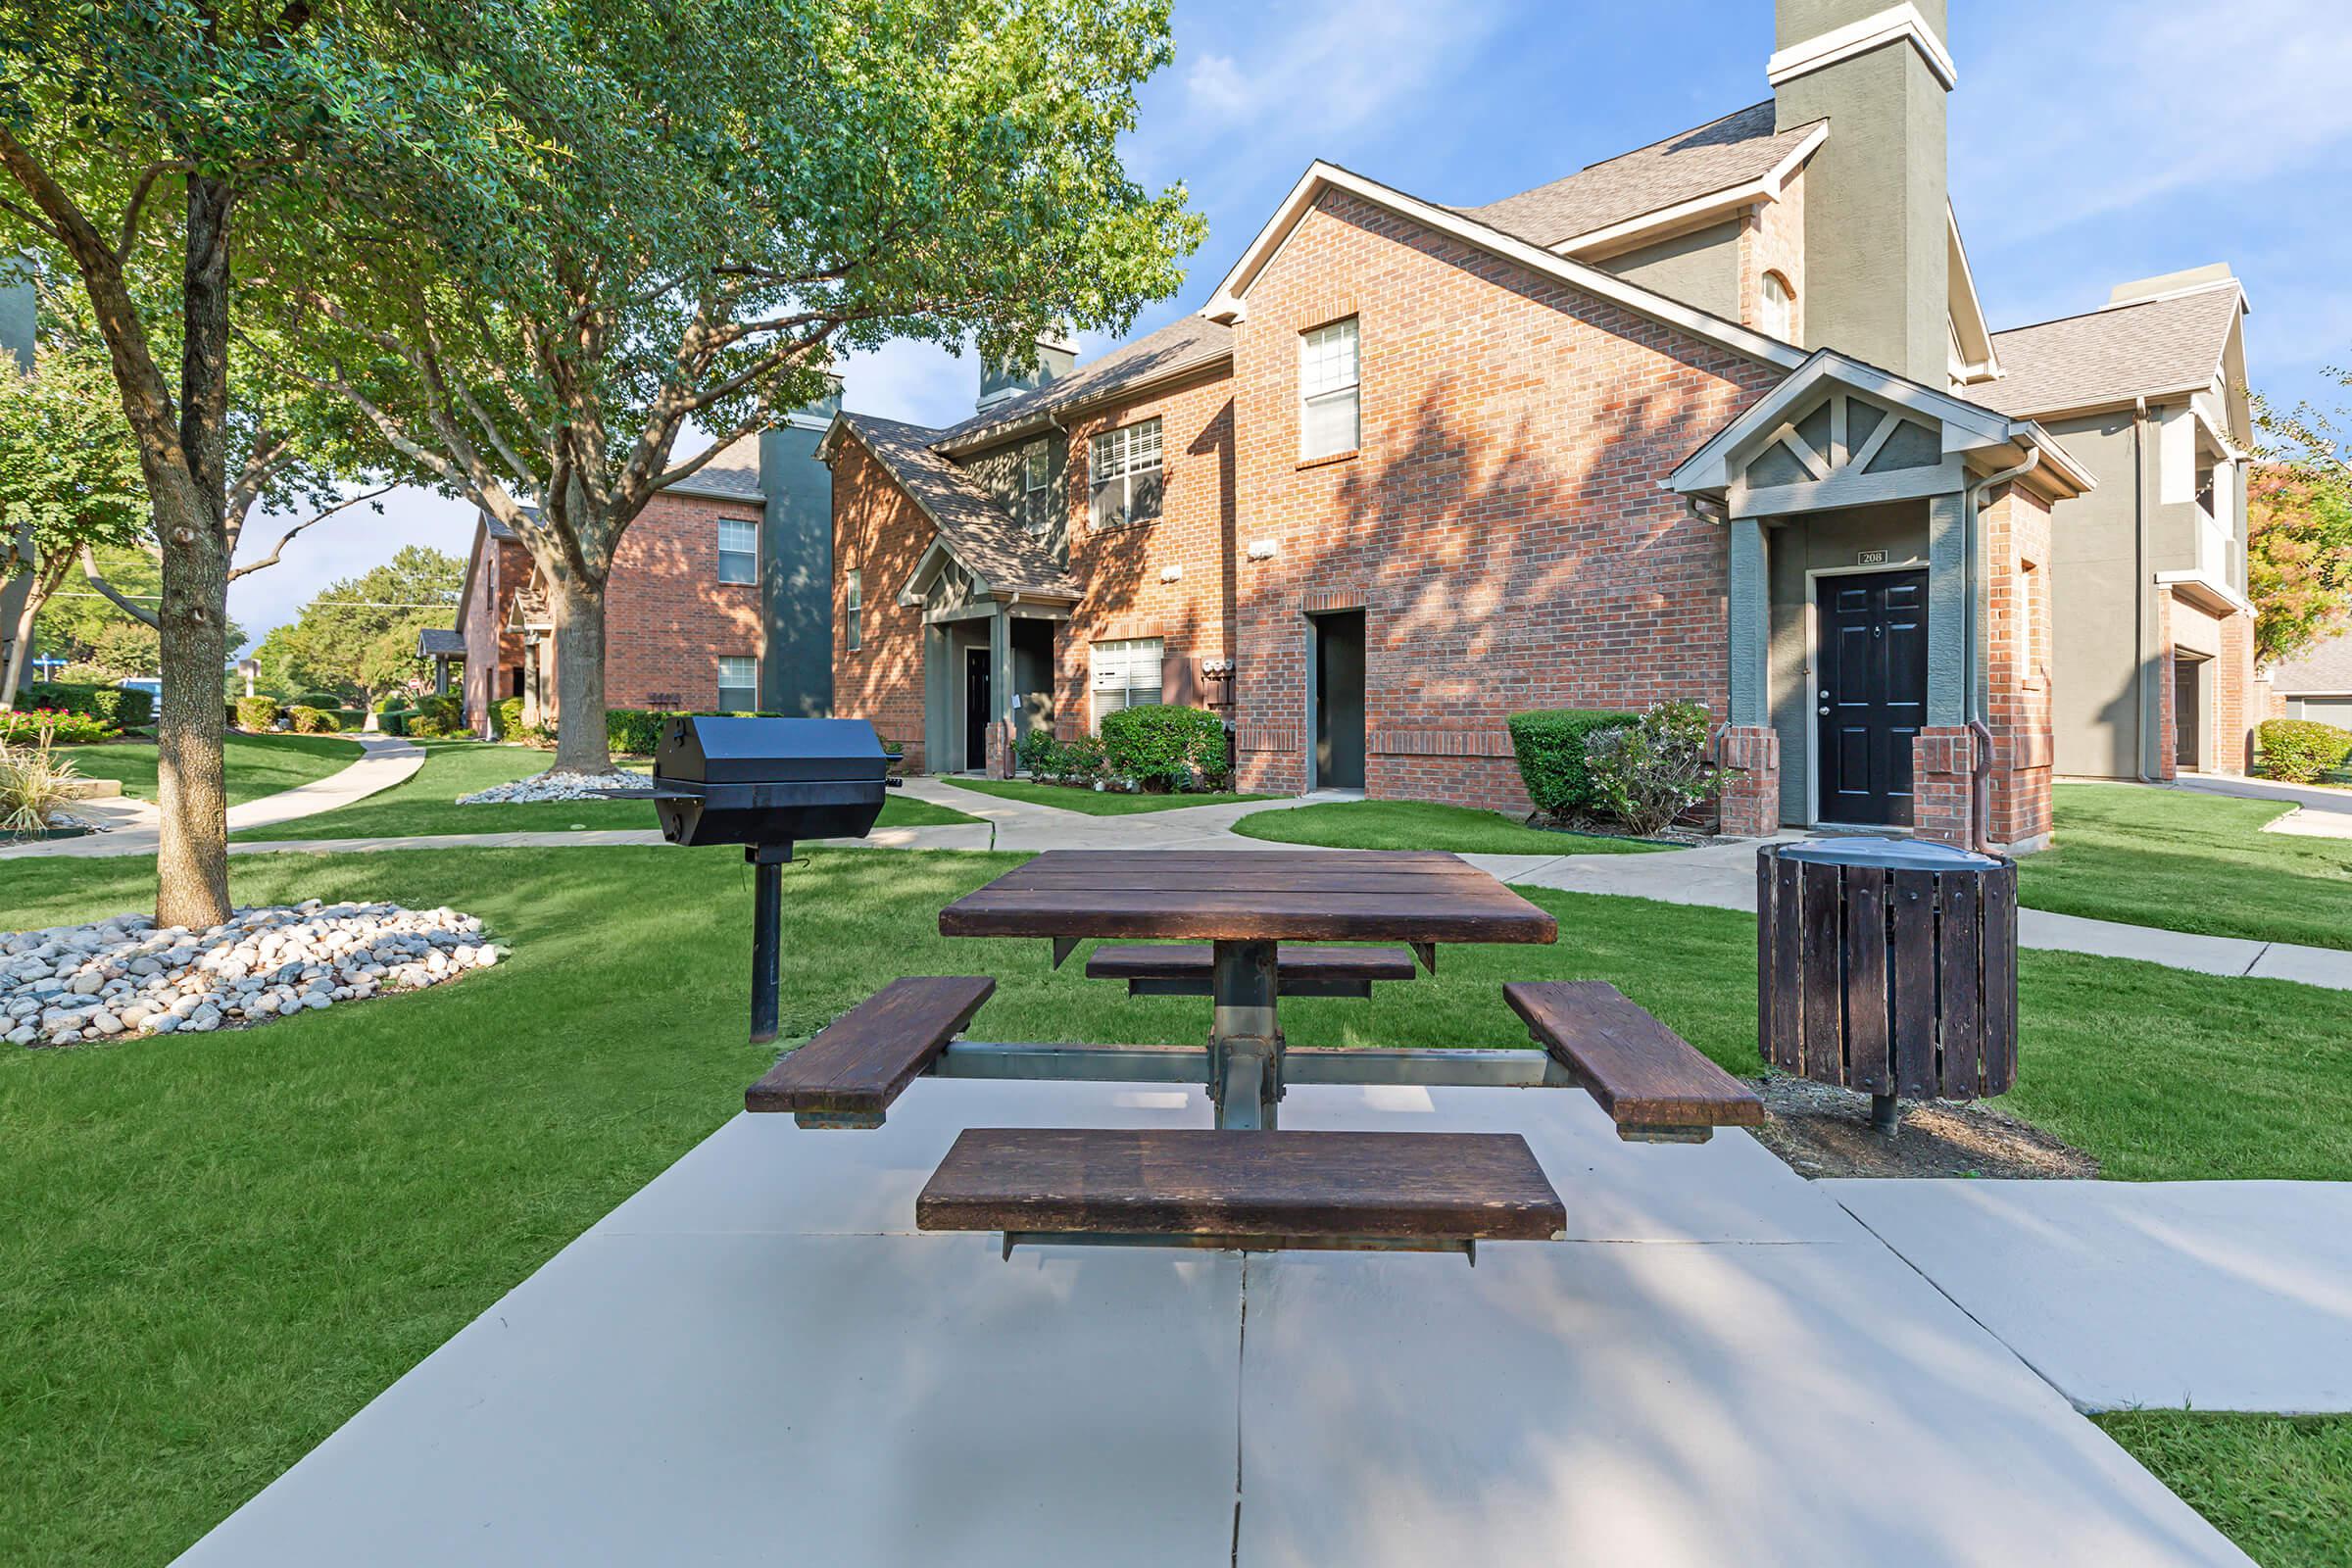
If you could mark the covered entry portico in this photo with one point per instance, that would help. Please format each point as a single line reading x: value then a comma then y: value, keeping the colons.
x: 1884, y: 540
x: 988, y: 661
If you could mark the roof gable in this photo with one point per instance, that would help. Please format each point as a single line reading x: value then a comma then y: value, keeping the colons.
x: 2141, y: 348
x: 998, y: 552
x: 1185, y: 345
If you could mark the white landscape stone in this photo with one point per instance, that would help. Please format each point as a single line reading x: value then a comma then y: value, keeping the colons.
x: 555, y: 785
x: 122, y: 977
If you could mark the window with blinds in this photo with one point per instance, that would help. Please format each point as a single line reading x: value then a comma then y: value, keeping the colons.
x: 1127, y: 674
x: 738, y: 685
x: 738, y: 551
x: 853, y: 596
x: 1329, y: 388
x: 1123, y: 475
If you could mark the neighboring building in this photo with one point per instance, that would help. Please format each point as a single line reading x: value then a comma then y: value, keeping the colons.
x: 2151, y: 667
x: 2315, y: 684
x: 718, y: 600
x: 1720, y: 418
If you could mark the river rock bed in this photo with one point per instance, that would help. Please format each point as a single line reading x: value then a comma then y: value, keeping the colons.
x: 558, y: 786
x: 126, y: 976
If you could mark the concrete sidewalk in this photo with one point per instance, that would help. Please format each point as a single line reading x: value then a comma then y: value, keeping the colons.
x: 1718, y: 1365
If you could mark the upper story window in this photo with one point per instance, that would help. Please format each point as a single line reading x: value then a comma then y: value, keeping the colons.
x: 1123, y: 478
x: 1780, y: 308
x: 1330, y: 406
x: 1037, y: 476
x: 853, y: 592
x: 738, y: 685
x: 738, y: 551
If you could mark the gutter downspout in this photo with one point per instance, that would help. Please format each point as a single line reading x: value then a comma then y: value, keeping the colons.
x: 2139, y: 593
x: 1980, y: 779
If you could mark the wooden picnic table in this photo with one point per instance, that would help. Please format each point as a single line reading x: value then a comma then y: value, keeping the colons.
x: 1244, y: 903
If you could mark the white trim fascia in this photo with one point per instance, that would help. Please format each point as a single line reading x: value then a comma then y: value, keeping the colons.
x: 909, y: 594
x: 1666, y: 221
x: 1965, y: 425
x: 2210, y: 584
x: 1987, y: 363
x: 1226, y: 304
x: 1807, y: 688
x: 2244, y: 307
x: 1895, y: 23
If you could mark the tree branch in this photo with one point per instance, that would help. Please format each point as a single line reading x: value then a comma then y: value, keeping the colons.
x: 271, y: 560
x: 138, y: 198
x: 137, y: 612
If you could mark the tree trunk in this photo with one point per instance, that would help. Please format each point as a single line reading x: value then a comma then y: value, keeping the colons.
x: 44, y: 583
x: 579, y: 608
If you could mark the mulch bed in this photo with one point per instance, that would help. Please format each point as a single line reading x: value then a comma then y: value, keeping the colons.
x: 1821, y: 1131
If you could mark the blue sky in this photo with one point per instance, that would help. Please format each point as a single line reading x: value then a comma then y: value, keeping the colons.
x: 2091, y: 142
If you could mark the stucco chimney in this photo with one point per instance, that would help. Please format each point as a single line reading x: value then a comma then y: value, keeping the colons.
x: 1876, y: 245
x: 1056, y: 353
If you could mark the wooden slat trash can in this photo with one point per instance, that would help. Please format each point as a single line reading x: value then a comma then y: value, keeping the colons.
x: 1888, y: 966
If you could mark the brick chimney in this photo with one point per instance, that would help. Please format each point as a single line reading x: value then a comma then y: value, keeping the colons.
x: 1056, y: 355
x: 1876, y: 243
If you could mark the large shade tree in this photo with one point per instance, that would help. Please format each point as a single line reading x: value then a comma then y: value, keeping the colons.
x: 150, y: 150
x: 359, y: 635
x: 731, y: 195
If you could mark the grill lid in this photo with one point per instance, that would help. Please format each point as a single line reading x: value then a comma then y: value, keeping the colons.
x: 707, y: 749
x: 1893, y: 854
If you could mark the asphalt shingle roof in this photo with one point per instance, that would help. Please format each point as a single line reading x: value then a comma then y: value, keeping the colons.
x: 443, y: 641
x: 2325, y: 667
x: 1183, y: 344
x: 735, y: 471
x: 980, y: 533
x: 2111, y: 356
x: 1716, y: 156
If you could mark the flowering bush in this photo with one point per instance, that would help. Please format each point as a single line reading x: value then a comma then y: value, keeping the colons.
x: 28, y: 724
x: 1649, y: 772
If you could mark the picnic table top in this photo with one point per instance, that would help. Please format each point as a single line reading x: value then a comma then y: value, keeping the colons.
x: 1249, y: 895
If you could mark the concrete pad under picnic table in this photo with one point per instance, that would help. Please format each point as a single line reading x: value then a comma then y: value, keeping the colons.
x: 1675, y: 1406
x: 2208, y: 1295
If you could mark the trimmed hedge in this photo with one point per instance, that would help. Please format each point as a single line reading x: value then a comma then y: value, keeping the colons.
x: 309, y: 720
x: 111, y: 705
x: 2302, y: 751
x: 1167, y: 748
x: 328, y: 700
x: 257, y: 712
x: 351, y: 718
x: 1549, y: 744
x: 505, y: 717
x: 636, y: 730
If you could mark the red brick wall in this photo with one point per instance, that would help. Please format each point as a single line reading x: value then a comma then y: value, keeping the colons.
x: 2017, y: 543
x: 1772, y: 239
x: 492, y: 653
x: 881, y: 533
x: 2239, y: 701
x: 1120, y: 569
x: 667, y: 617
x: 2168, y: 745
x: 1502, y: 523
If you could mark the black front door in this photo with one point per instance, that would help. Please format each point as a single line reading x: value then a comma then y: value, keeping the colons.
x: 975, y: 710
x: 1870, y: 694
x: 1339, y: 701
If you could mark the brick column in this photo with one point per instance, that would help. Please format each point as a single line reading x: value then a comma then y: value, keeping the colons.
x: 1939, y: 778
x: 1750, y: 804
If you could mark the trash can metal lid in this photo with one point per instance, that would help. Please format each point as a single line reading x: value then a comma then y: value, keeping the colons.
x: 1893, y: 855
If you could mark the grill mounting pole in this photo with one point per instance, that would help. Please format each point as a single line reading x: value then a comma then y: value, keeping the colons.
x: 768, y: 862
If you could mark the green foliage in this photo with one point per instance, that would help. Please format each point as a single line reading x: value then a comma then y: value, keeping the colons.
x: 360, y: 634
x: 114, y: 707
x: 2299, y: 559
x: 258, y: 713
x: 506, y: 719
x: 34, y: 783
x: 328, y: 700
x: 634, y: 730
x: 2301, y: 751
x: 1649, y: 772
x: 1549, y: 744
x: 1161, y: 747
x: 309, y: 720
x: 24, y: 726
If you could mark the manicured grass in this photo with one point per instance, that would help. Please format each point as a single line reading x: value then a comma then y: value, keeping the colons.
x: 2278, y: 1485
x: 1422, y: 825
x: 255, y: 764
x: 213, y: 1252
x: 2190, y: 863
x: 427, y: 803
x: 1093, y: 802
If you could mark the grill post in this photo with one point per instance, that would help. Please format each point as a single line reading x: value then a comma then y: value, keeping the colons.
x: 768, y: 918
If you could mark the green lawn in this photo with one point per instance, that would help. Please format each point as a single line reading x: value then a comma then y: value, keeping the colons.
x: 213, y: 1253
x: 257, y: 765
x: 2278, y: 1485
x: 1093, y: 802
x: 2190, y: 863
x: 426, y: 803
x: 1422, y: 825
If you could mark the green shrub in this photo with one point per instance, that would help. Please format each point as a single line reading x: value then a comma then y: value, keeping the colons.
x: 111, y: 705
x: 444, y: 709
x: 2302, y: 751
x: 257, y: 712
x: 426, y: 728
x: 1043, y: 755
x: 394, y: 720
x: 351, y: 718
x: 1165, y: 748
x: 1549, y: 744
x: 505, y: 717
x: 309, y: 720
x: 386, y: 701
x: 322, y: 699
x: 1649, y: 772
x: 635, y: 730
x: 23, y: 726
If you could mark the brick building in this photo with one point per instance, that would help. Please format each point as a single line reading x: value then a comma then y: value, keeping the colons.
x: 1720, y: 418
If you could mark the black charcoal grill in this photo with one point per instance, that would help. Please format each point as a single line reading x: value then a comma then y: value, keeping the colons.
x: 765, y: 783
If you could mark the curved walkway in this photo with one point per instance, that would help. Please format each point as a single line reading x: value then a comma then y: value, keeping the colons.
x: 134, y: 826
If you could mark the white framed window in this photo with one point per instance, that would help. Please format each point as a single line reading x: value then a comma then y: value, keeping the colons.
x: 738, y: 685
x: 738, y: 551
x: 1330, y: 388
x: 1123, y: 475
x: 1780, y: 308
x: 854, y: 597
x: 1127, y: 674
x: 1037, y: 475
